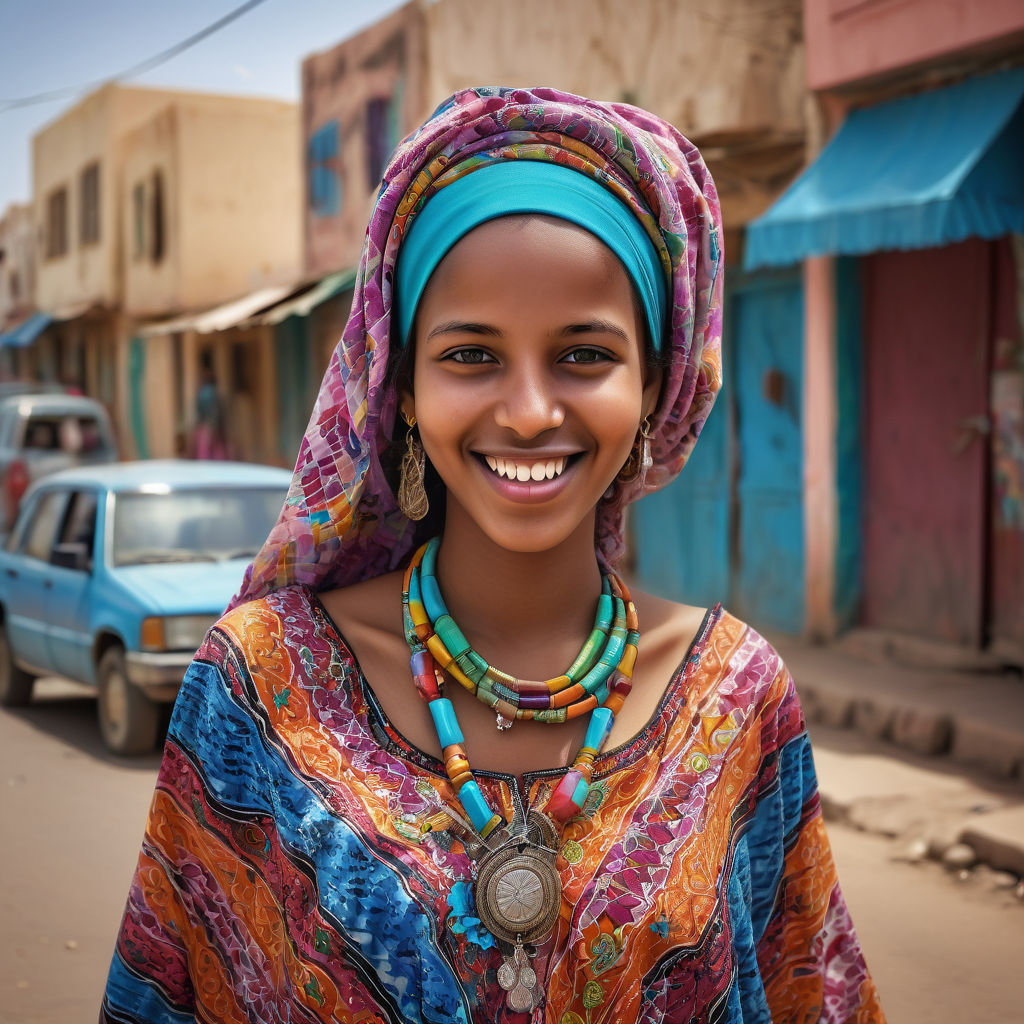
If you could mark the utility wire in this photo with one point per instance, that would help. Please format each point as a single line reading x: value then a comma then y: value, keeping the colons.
x: 135, y: 69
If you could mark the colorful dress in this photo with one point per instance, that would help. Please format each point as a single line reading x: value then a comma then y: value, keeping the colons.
x: 299, y: 863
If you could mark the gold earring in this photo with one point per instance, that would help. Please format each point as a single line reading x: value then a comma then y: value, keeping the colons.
x: 412, y: 493
x: 640, y: 460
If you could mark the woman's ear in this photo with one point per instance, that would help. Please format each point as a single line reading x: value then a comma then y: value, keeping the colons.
x: 407, y: 405
x: 652, y: 390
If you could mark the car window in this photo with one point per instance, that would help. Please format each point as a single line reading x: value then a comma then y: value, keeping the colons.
x: 72, y: 434
x: 26, y: 516
x: 193, y: 525
x: 80, y: 521
x: 40, y: 534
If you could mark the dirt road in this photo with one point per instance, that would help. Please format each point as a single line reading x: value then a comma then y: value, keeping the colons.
x: 942, y: 952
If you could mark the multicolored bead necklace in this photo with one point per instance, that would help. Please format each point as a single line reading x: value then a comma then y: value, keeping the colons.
x: 518, y: 890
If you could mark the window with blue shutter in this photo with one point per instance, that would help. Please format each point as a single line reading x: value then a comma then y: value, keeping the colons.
x: 324, y: 171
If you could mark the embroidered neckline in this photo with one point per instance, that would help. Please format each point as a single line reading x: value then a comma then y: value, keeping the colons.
x: 607, y: 763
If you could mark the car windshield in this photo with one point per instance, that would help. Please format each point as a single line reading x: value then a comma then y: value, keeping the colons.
x: 193, y: 526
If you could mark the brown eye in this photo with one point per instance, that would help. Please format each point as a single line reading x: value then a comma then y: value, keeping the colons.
x: 586, y: 356
x: 470, y: 356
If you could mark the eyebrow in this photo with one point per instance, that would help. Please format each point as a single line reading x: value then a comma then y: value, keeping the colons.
x: 596, y: 326
x: 463, y: 327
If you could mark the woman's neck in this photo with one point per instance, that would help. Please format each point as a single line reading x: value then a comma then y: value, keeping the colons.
x: 529, y: 601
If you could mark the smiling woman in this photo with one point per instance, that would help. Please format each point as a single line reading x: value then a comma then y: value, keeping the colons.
x: 360, y: 815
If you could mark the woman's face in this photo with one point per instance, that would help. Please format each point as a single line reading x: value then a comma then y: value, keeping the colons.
x: 529, y: 380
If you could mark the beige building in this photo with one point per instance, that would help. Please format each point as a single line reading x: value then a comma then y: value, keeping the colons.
x: 209, y: 214
x: 76, y: 176
x: 731, y: 81
x: 150, y: 203
x: 17, y: 274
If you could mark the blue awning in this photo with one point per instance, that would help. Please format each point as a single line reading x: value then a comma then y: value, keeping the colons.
x: 26, y: 332
x: 919, y: 171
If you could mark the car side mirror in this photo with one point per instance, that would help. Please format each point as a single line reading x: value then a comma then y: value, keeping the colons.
x: 71, y: 556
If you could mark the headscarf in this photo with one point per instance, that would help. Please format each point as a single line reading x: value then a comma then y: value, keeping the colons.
x: 341, y: 523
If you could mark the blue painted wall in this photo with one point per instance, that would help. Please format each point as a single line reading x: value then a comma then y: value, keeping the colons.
x: 731, y: 527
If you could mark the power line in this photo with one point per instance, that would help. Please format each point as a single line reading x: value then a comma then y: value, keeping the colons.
x: 135, y: 69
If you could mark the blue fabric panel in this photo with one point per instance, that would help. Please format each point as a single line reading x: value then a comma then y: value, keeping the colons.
x: 776, y: 819
x: 382, y: 923
x: 747, y: 1002
x: 128, y: 998
x: 914, y: 172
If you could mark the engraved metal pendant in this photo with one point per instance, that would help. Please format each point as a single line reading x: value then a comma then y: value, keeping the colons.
x: 518, y: 895
x: 518, y: 892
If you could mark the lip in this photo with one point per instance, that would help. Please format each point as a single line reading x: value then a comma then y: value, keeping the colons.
x: 529, y: 491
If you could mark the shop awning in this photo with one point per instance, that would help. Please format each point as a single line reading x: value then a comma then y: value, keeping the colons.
x: 221, y: 318
x: 305, y: 302
x: 919, y: 171
x: 26, y: 332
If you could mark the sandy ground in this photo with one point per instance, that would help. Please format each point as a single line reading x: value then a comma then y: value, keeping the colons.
x: 940, y: 950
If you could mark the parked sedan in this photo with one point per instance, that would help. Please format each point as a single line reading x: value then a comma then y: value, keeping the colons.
x: 112, y: 575
x: 41, y: 434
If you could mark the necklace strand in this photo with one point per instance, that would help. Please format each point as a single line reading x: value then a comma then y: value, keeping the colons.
x: 604, y: 668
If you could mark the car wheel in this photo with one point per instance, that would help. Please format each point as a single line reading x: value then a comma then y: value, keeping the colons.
x: 15, y: 683
x: 129, y: 720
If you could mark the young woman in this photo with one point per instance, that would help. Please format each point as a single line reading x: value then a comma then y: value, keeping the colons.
x: 438, y: 763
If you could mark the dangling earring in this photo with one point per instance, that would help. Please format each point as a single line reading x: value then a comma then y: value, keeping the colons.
x: 639, y: 461
x: 412, y: 494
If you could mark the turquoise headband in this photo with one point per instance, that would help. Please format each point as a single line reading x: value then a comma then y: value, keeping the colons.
x: 527, y: 186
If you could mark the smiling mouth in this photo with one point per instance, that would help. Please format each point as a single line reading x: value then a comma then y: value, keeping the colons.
x: 525, y: 470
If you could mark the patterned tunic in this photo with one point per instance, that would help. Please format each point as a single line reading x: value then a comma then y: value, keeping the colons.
x: 299, y: 865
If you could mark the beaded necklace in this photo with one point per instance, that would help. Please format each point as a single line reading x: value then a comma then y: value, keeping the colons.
x: 518, y: 890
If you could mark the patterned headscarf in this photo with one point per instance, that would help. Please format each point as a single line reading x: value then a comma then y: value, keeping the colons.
x: 341, y: 523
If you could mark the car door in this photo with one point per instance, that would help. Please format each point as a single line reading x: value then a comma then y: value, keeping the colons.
x: 29, y: 582
x: 70, y: 639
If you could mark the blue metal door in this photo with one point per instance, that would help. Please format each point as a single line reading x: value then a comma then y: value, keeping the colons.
x: 767, y: 347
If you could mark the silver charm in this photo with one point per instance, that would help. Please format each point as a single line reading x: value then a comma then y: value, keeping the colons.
x: 519, y: 980
x: 503, y: 723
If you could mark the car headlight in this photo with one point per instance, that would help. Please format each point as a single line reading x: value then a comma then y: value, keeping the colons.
x: 175, y: 632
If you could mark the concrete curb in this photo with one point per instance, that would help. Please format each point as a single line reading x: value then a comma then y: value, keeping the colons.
x: 926, y: 804
x: 973, y: 719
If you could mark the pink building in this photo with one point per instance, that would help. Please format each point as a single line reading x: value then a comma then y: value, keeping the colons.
x: 909, y: 224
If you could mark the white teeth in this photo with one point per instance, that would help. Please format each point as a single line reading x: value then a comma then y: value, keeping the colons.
x: 525, y: 471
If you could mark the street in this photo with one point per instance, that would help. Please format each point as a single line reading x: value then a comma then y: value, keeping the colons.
x: 941, y: 950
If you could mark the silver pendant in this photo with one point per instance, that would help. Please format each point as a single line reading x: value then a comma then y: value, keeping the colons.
x: 503, y: 723
x: 518, y: 895
x: 518, y: 891
x: 519, y: 980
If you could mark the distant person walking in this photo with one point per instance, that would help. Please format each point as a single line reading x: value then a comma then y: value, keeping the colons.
x: 209, y: 439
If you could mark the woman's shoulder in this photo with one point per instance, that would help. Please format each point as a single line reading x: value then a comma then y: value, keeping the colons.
x: 286, y: 609
x: 711, y: 650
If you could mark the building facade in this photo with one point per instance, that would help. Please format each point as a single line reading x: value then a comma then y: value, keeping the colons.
x: 908, y: 225
x: 208, y: 215
x: 150, y: 203
x: 76, y: 177
x: 17, y: 277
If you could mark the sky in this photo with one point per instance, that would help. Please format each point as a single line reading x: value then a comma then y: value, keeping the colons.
x: 50, y: 44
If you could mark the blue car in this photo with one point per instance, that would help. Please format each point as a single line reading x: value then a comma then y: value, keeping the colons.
x: 113, y: 574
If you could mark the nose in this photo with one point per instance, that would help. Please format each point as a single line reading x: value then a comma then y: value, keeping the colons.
x: 529, y: 404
